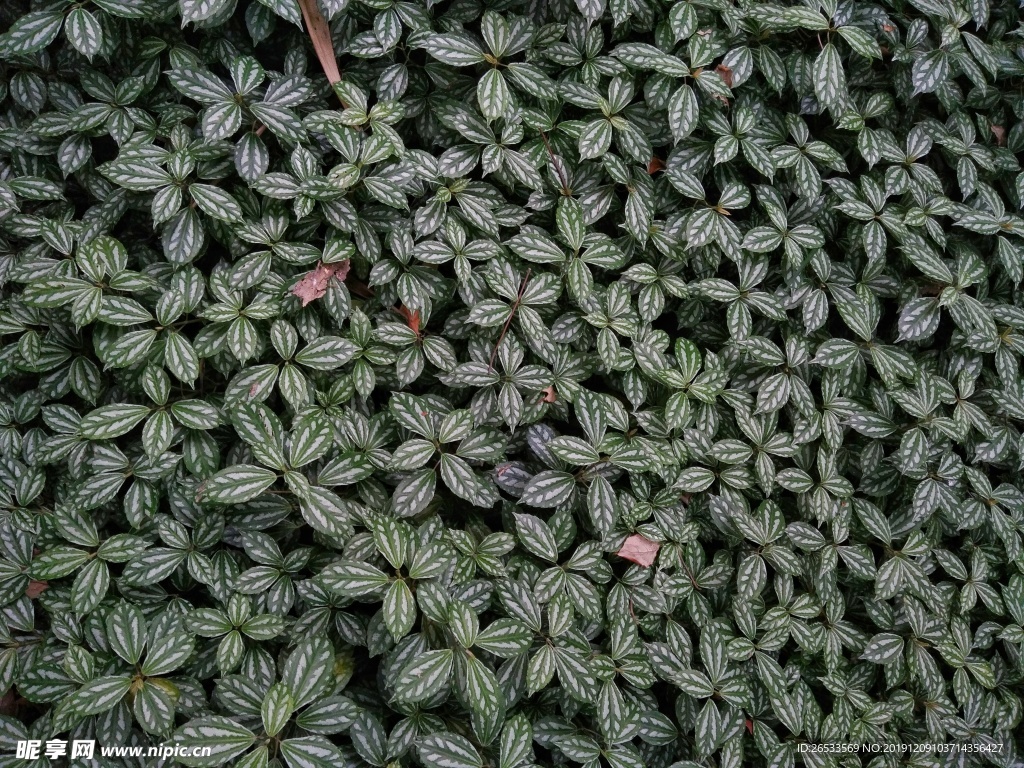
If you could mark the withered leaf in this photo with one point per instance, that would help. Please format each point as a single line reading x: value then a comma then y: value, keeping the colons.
x: 314, y: 285
x: 639, y: 549
x: 320, y: 35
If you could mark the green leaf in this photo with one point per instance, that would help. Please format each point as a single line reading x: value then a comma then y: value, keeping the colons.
x: 153, y: 708
x: 861, y: 42
x: 929, y: 70
x: 100, y: 694
x: 883, y: 648
x: 493, y: 94
x: 84, y: 32
x: 110, y: 421
x: 224, y: 738
x: 537, y: 537
x: 277, y: 708
x: 486, y: 699
x: 307, y: 670
x: 326, y: 353
x: 354, y: 579
x: 136, y: 175
x: 548, y: 489
x: 595, y: 139
x: 602, y: 504
x: 448, y: 750
x: 216, y: 202
x: 198, y: 10
x: 829, y: 78
x: 399, y: 609
x: 310, y: 752
x: 125, y: 632
x: 32, y: 32
x: 311, y: 440
x: 457, y: 50
x: 536, y: 248
x: 504, y: 638
x: 683, y: 112
x: 574, y: 451
x: 414, y: 493
x: 236, y: 484
x: 424, y: 676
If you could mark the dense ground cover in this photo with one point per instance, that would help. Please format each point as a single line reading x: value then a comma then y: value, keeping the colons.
x: 493, y: 384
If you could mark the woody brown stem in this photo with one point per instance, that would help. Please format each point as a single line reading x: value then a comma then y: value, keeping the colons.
x: 515, y: 306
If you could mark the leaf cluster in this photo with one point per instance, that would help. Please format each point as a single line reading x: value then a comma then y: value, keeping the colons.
x: 582, y: 382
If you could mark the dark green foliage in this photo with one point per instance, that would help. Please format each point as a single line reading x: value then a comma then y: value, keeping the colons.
x: 332, y: 417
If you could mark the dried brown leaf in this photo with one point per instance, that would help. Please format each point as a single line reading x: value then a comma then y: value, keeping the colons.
x: 320, y: 35
x: 640, y: 550
x: 35, y: 589
x: 412, y: 317
x: 726, y: 73
x: 314, y: 284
